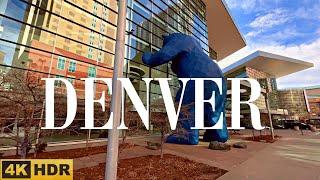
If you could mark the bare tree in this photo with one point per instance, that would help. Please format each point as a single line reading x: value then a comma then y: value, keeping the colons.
x: 22, y: 96
x: 160, y: 123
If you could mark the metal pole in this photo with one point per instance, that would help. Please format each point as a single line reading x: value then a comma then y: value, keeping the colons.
x: 50, y: 69
x: 269, y: 114
x: 113, y: 135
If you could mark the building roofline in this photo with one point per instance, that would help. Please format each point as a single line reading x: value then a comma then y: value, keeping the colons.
x: 312, y: 87
x: 269, y: 63
x: 233, y: 20
x: 224, y: 35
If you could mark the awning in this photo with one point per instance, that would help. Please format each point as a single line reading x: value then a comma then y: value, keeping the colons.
x: 275, y: 65
x: 224, y: 35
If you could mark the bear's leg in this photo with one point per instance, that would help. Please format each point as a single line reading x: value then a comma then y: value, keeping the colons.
x: 184, y: 134
x: 220, y: 135
x: 191, y: 138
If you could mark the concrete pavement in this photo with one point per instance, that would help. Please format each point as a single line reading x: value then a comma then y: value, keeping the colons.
x: 294, y: 157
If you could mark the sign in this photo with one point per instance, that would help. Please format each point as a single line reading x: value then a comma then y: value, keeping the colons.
x: 36, y: 169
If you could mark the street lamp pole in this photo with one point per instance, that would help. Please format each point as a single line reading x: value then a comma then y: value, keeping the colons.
x: 113, y: 134
x: 268, y: 109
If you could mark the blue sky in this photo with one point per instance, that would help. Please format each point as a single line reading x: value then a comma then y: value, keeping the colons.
x: 285, y: 27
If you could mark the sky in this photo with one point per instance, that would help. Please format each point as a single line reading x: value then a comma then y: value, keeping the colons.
x: 286, y: 27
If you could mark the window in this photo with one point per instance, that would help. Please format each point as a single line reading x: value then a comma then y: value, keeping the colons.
x: 58, y: 83
x: 95, y: 6
x: 69, y: 27
x: 67, y: 48
x: 92, y: 72
x: 72, y: 66
x: 71, y: 13
x: 83, y: 19
x: 61, y: 63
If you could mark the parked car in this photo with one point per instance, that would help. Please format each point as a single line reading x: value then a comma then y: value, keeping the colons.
x: 304, y: 126
x: 314, y: 122
x: 290, y: 124
x: 278, y: 126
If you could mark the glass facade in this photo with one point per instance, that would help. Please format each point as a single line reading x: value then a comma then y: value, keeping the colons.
x: 76, y: 38
x: 147, y: 21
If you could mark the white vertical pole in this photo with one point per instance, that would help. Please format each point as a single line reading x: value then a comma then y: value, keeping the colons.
x: 113, y: 135
x: 269, y: 113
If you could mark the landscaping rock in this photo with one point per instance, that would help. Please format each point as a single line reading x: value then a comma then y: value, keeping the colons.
x: 240, y: 145
x: 153, y: 146
x: 215, y: 145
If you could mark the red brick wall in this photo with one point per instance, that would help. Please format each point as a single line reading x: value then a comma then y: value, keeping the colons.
x: 41, y: 61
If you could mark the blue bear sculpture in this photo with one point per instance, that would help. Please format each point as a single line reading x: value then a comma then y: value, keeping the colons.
x: 189, y: 61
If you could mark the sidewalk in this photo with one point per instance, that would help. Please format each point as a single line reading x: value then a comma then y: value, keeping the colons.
x: 199, y: 153
x: 61, y: 146
x: 64, y: 145
x: 295, y: 157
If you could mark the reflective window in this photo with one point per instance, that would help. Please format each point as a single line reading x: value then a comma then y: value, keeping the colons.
x: 61, y: 63
x: 76, y: 39
x: 72, y: 66
x: 92, y: 72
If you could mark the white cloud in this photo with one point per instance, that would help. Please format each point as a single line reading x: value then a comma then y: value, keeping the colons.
x: 253, y: 34
x: 272, y: 38
x: 307, y: 52
x: 312, y: 13
x: 246, y: 5
x: 270, y: 19
x: 264, y: 34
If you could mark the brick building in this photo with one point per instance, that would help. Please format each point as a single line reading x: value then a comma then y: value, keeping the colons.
x: 266, y: 68
x: 295, y: 101
x: 75, y: 39
x: 313, y: 94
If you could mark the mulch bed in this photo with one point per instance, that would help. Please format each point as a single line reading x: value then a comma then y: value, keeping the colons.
x: 153, y: 167
x: 70, y: 153
x: 146, y: 167
x: 263, y: 138
x: 65, y: 154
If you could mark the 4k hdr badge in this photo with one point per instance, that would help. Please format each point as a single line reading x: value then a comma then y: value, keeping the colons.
x: 37, y: 169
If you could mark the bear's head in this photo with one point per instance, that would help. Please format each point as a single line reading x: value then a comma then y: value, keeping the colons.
x: 173, y: 46
x: 179, y: 38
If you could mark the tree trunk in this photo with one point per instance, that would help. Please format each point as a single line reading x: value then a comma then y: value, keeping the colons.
x: 24, y: 146
x: 88, y: 139
x: 39, y: 129
x: 17, y: 141
x: 162, y: 144
x: 17, y: 133
x: 253, y: 134
x: 26, y: 139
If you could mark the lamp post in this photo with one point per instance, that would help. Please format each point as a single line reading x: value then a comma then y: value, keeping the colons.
x: 268, y: 109
x: 113, y: 134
